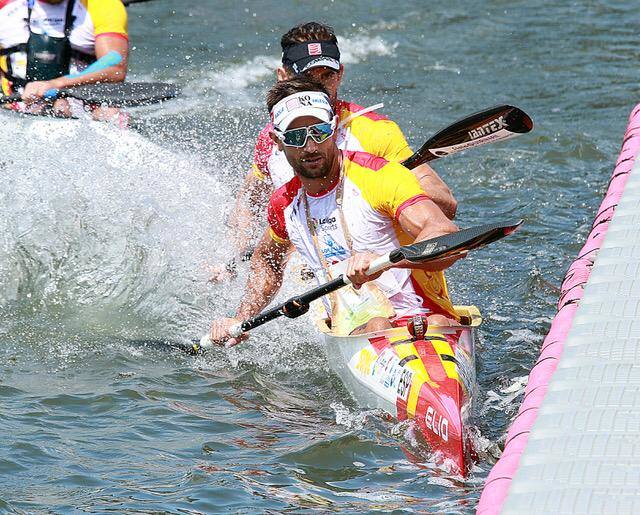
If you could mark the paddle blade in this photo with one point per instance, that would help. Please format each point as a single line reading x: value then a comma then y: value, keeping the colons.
x: 123, y: 94
x: 491, y: 125
x: 454, y: 243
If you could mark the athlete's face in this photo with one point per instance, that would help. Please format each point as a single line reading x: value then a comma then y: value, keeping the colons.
x: 314, y: 160
x: 328, y: 77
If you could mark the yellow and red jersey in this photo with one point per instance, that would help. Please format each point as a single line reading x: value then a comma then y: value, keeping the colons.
x: 375, y: 192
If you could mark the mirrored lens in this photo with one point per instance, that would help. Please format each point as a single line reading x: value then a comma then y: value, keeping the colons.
x: 320, y: 132
x: 295, y: 137
x: 298, y: 137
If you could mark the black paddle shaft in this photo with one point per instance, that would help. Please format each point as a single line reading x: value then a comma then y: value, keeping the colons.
x: 295, y: 306
x: 428, y: 250
x: 116, y: 94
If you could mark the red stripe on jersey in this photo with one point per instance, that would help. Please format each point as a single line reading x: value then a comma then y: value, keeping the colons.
x: 410, y: 202
x: 263, y: 150
x: 365, y: 160
x: 280, y: 200
x: 354, y: 108
x: 113, y: 34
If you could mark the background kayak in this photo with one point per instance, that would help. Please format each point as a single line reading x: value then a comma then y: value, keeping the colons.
x: 105, y: 239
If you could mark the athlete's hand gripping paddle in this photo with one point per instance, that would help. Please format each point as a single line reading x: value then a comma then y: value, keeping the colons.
x: 428, y: 250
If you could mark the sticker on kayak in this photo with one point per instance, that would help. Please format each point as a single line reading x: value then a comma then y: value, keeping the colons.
x: 500, y: 135
x: 383, y: 371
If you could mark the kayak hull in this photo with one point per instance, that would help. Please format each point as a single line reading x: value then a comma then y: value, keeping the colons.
x: 430, y: 381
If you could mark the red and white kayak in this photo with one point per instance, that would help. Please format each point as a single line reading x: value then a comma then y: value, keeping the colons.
x: 430, y: 380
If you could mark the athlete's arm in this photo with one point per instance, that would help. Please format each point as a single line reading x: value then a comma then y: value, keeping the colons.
x: 243, y: 223
x: 393, y: 146
x: 436, y: 189
x: 248, y: 212
x: 107, y: 47
x: 422, y: 220
x: 265, y: 279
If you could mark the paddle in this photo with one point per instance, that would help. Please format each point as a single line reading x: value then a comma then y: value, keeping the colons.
x: 116, y: 94
x: 488, y: 126
x: 420, y: 252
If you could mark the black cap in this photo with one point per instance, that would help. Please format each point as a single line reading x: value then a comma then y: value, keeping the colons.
x: 311, y: 54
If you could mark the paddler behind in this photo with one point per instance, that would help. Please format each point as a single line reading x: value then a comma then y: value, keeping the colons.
x: 341, y: 210
x: 311, y: 50
x: 54, y: 44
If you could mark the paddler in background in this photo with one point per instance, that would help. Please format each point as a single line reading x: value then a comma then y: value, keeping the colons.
x: 54, y: 44
x: 341, y: 210
x: 311, y: 49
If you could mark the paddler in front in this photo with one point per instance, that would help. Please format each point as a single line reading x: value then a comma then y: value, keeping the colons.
x: 341, y: 210
x: 53, y: 44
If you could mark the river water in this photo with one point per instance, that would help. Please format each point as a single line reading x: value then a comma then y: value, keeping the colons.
x: 106, y: 238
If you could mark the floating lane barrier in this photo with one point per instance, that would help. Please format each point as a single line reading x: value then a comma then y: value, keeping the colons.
x: 574, y: 446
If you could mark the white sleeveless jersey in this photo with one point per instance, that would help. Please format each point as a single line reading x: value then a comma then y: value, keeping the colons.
x: 375, y: 194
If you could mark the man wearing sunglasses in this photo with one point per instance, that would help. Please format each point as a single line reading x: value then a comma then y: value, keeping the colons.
x: 341, y: 210
x: 311, y: 49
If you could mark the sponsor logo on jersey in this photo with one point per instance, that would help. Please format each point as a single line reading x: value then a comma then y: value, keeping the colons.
x: 332, y: 250
x: 318, y: 223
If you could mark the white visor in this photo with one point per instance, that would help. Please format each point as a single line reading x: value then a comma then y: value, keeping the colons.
x: 306, y: 103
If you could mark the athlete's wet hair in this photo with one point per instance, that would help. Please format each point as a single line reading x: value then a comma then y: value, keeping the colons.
x: 283, y: 89
x: 310, y: 31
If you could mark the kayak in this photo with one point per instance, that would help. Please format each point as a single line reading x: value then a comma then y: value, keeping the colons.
x: 430, y: 380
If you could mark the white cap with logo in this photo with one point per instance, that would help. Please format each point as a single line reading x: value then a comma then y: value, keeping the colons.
x: 306, y: 103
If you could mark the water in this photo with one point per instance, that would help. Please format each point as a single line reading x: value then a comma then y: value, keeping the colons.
x: 106, y: 238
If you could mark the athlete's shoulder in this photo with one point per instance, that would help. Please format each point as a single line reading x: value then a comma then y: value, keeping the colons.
x: 108, y: 16
x: 264, y: 139
x: 263, y: 150
x: 280, y: 200
x: 285, y: 194
x: 344, y: 109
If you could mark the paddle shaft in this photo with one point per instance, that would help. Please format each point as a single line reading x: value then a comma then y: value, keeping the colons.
x: 420, y: 252
x: 117, y: 94
x: 301, y: 302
